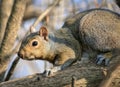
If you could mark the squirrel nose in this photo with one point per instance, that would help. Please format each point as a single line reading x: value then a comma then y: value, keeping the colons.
x: 20, y: 55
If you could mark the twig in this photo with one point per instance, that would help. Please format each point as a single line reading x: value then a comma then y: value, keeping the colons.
x: 73, y: 81
x: 10, y: 72
x: 45, y: 13
x: 73, y: 6
x: 103, y: 3
x: 31, y: 12
x: 96, y: 3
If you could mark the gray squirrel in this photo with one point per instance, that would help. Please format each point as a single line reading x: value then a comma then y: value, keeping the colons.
x: 94, y: 32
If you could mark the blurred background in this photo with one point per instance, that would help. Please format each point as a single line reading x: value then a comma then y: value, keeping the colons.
x: 53, y: 20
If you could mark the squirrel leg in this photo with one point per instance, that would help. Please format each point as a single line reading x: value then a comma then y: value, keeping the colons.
x: 53, y: 70
x: 60, y: 64
x: 65, y: 60
x: 104, y: 57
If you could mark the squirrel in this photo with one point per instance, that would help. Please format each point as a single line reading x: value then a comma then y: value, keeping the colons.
x: 94, y: 32
x: 58, y: 47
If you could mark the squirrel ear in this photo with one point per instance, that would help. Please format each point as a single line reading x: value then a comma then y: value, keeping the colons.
x: 43, y: 32
x: 32, y: 29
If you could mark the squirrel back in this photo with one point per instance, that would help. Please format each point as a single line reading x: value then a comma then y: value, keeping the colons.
x: 98, y: 29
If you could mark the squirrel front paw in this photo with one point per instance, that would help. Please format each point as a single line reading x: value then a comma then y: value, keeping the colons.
x: 51, y: 72
x: 104, y: 58
x: 47, y: 72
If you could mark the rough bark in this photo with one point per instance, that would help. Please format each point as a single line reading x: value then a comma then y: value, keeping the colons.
x: 113, y: 77
x: 78, y: 75
x: 112, y: 74
x: 13, y: 25
x: 84, y: 76
x: 5, y: 11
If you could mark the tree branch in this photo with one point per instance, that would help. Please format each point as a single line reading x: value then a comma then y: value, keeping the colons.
x: 83, y: 74
x: 5, y: 11
x: 12, y: 68
x: 13, y: 25
x: 78, y: 75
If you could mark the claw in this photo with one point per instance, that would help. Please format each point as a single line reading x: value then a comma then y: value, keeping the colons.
x: 101, y: 58
x: 50, y: 72
x: 47, y: 72
x: 100, y: 61
x: 107, y: 62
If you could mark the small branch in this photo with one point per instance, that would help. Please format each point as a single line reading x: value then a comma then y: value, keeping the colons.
x: 96, y: 3
x: 102, y: 4
x: 10, y: 72
x: 73, y: 81
x: 31, y: 12
x: 73, y: 7
x: 45, y: 13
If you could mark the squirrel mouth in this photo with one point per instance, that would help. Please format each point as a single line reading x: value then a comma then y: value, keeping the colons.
x: 39, y: 58
x: 32, y: 57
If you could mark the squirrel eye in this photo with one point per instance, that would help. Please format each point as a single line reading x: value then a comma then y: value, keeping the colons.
x: 34, y: 43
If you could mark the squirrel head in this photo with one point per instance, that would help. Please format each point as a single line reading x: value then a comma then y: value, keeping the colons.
x: 35, y: 45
